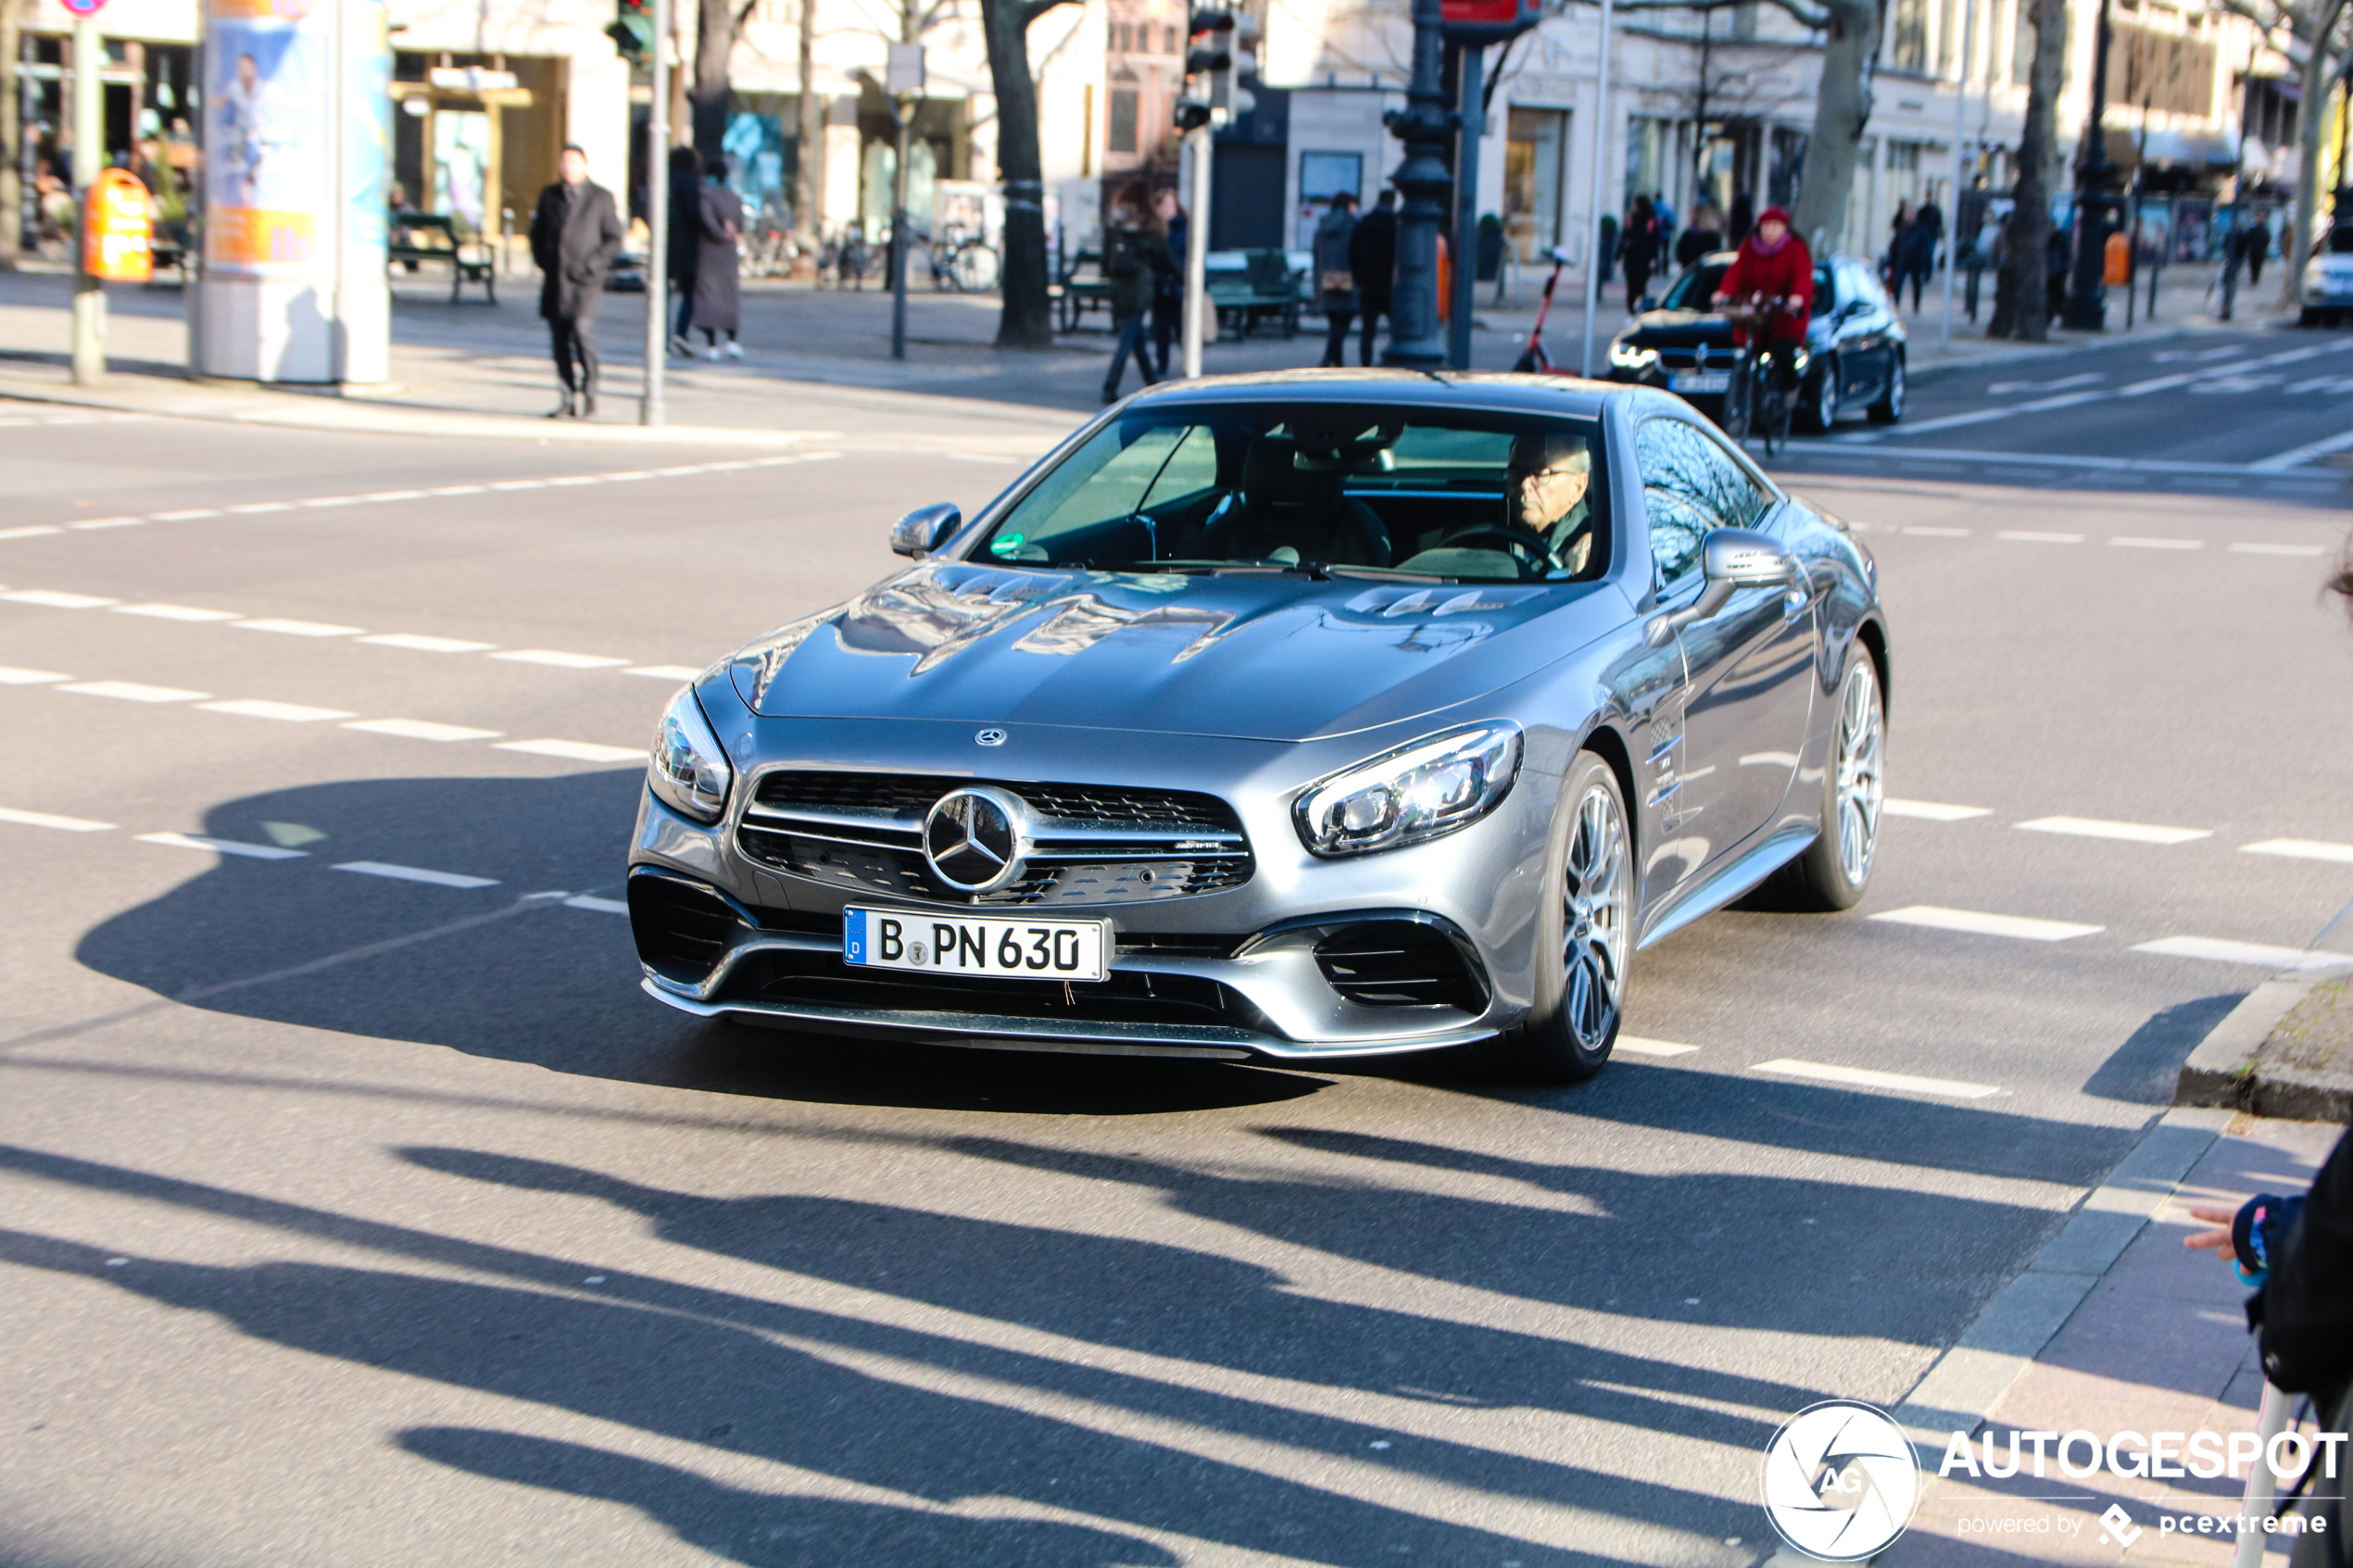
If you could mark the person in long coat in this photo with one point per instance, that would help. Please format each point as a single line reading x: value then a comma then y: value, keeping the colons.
x: 1372, y: 263
x: 575, y: 234
x: 1335, y: 285
x: 1638, y: 250
x: 685, y: 240
x: 718, y: 290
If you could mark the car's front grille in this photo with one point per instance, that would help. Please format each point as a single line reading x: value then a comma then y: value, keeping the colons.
x: 1126, y: 996
x: 1400, y: 963
x: 1091, y: 844
x: 1720, y: 357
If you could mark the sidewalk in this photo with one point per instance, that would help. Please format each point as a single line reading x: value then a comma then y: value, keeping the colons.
x: 2158, y: 1343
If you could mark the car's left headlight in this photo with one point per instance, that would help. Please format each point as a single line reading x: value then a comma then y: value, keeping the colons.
x: 689, y: 770
x: 1630, y: 356
x: 1411, y: 794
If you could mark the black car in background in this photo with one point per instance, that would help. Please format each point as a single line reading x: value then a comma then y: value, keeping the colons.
x: 1854, y: 355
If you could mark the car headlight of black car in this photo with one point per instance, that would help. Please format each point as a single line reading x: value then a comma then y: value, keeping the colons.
x: 1417, y: 792
x: 1627, y: 355
x: 689, y: 771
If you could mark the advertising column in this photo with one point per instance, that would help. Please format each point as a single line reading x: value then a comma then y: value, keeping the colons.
x: 297, y: 136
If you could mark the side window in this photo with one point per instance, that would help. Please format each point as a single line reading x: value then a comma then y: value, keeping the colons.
x: 1676, y: 482
x: 1827, y: 290
x: 1739, y: 500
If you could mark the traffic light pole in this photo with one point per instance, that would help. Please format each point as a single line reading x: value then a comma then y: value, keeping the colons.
x: 1197, y: 254
x: 89, y: 162
x: 1423, y: 178
x: 650, y: 410
x: 1472, y: 118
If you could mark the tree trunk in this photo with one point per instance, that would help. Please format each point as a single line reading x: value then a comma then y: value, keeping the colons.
x: 11, y: 152
x: 2310, y: 126
x: 2022, y: 298
x: 809, y: 165
x: 1840, y: 110
x: 1026, y: 321
x: 714, y: 42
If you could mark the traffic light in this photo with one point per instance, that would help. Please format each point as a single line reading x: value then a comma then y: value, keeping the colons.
x: 1242, y: 53
x: 1208, y: 59
x: 632, y: 32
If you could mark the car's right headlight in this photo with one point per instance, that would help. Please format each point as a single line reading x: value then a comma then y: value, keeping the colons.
x: 1630, y: 356
x: 1417, y: 792
x: 689, y: 771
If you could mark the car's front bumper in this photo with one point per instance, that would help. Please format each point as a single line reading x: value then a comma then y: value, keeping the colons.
x: 1249, y: 972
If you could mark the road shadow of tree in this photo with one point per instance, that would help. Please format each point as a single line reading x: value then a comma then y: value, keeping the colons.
x: 539, y: 981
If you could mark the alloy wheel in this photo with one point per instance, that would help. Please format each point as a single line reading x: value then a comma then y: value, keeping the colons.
x: 1895, y: 391
x: 1595, y: 894
x: 1861, y: 738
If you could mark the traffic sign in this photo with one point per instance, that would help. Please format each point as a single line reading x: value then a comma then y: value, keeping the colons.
x: 1488, y: 21
x: 82, y: 7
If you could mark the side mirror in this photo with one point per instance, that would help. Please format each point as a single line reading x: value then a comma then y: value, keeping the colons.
x: 925, y: 530
x: 1732, y: 558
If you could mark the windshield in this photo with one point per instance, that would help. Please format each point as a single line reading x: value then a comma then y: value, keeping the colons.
x: 1318, y: 490
x: 1695, y: 289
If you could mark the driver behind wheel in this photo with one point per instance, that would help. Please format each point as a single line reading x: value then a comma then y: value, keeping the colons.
x: 1545, y: 495
x: 1774, y: 263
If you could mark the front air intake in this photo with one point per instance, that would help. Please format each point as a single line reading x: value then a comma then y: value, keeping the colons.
x: 1392, y: 963
x: 682, y: 928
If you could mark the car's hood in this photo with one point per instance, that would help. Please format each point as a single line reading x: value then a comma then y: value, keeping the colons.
x: 1683, y: 329
x: 1249, y: 656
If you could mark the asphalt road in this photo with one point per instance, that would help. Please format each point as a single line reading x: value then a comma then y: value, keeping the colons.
x: 356, y: 1208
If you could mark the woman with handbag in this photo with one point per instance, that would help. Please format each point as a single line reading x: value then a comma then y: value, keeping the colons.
x: 1335, y: 285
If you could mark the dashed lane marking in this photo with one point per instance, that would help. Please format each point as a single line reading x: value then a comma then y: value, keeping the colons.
x: 2251, y: 548
x: 574, y: 750
x: 418, y: 643
x: 416, y: 873
x: 559, y: 659
x: 223, y: 846
x: 53, y: 599
x: 664, y: 672
x: 1871, y: 1078
x: 285, y: 713
x: 175, y: 612
x: 132, y: 691
x: 1932, y: 810
x: 190, y: 515
x: 1976, y: 924
x: 49, y: 819
x: 421, y: 728
x: 32, y: 532
x: 2031, y: 536
x: 2219, y: 951
x: 615, y: 907
x: 98, y: 524
x: 2302, y: 849
x: 1921, y: 531
x: 299, y: 628
x: 2133, y: 542
x: 12, y: 676
x: 2129, y: 833
x: 1634, y: 1045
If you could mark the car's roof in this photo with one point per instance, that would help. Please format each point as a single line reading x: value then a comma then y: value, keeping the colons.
x: 1508, y: 393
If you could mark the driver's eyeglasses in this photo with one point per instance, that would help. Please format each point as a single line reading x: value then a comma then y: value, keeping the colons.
x: 1522, y: 476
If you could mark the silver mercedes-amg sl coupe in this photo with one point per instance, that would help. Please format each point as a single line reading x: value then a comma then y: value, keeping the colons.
x: 1293, y: 717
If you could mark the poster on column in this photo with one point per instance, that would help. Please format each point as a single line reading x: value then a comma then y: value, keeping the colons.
x: 268, y: 180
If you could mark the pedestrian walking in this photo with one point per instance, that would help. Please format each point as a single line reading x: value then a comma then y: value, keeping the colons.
x: 1335, y: 285
x: 1889, y: 262
x: 1915, y: 254
x: 1638, y: 250
x: 719, y: 298
x: 1168, y: 296
x: 1742, y: 219
x: 575, y: 234
x: 685, y: 241
x: 1135, y: 249
x: 2255, y: 250
x: 1984, y: 252
x: 1372, y: 262
x: 1705, y: 235
x: 2057, y: 254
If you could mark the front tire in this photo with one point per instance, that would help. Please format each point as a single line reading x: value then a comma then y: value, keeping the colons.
x: 1836, y: 868
x: 1820, y: 404
x: 1890, y: 407
x: 1584, y: 935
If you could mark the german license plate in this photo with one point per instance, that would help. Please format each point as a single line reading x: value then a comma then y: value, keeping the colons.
x: 984, y: 945
x: 1699, y: 380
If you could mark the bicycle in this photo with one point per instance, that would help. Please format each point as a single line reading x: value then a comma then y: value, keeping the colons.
x: 962, y: 262
x: 1757, y: 402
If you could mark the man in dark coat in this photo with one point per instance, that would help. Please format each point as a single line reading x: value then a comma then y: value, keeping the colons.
x: 574, y: 236
x: 685, y: 240
x: 1372, y: 263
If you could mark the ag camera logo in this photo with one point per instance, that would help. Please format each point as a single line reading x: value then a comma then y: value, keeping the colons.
x: 1840, y: 1481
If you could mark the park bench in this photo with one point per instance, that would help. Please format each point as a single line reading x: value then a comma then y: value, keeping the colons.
x: 418, y: 237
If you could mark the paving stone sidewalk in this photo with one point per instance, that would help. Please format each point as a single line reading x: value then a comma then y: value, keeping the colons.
x: 2158, y: 1345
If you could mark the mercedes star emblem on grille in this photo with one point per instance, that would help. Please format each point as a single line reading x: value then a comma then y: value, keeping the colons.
x: 989, y: 737
x: 974, y: 841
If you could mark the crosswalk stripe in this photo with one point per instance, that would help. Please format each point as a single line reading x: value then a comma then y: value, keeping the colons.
x: 1976, y: 923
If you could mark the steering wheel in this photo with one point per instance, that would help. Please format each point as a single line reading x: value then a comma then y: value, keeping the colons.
x: 1525, y: 544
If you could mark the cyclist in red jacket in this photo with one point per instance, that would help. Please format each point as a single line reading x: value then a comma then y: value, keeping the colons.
x: 1775, y: 266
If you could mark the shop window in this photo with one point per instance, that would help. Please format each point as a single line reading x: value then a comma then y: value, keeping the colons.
x: 1122, y: 138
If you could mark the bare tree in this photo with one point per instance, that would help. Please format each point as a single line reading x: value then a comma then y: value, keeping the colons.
x: 808, y: 164
x: 2021, y: 298
x: 1026, y: 321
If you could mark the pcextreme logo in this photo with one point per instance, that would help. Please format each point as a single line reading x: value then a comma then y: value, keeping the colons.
x: 1840, y: 1481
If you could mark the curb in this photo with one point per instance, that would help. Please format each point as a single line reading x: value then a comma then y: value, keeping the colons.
x: 2221, y: 1071
x: 1960, y: 1391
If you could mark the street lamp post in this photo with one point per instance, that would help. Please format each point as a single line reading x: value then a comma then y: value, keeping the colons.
x: 1423, y: 125
x: 2086, y: 303
x: 651, y: 410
